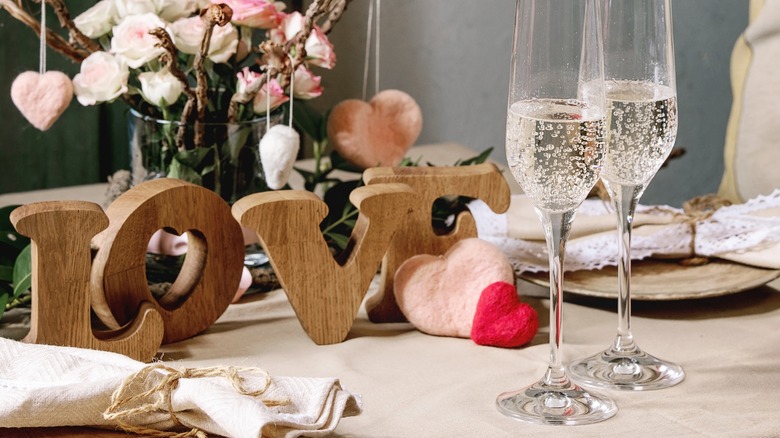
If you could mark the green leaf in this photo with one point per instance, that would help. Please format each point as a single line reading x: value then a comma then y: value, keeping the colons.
x: 338, y: 239
x: 22, y: 275
x: 192, y: 157
x: 185, y: 173
x: 235, y: 141
x: 308, y: 120
x: 185, y: 164
x: 6, y: 273
x: 479, y: 159
x: 4, y: 299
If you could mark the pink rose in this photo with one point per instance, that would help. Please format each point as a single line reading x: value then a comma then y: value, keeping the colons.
x: 248, y: 81
x: 97, y: 20
x: 306, y: 84
x: 277, y: 96
x: 319, y: 51
x: 188, y: 33
x: 261, y: 14
x: 291, y: 25
x: 102, y: 79
x: 132, y: 42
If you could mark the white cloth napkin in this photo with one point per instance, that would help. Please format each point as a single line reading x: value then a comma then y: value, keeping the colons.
x: 746, y: 233
x: 42, y: 385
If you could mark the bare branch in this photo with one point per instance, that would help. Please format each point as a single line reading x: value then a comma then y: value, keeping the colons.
x: 66, y: 22
x: 53, y: 40
x: 169, y: 58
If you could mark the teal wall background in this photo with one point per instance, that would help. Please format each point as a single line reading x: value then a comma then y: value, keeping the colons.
x: 78, y: 149
x: 451, y: 55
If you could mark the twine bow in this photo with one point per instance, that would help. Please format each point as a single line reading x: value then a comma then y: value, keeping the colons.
x: 121, y: 400
x: 696, y: 210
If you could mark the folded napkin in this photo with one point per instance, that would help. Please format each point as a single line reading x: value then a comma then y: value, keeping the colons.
x: 746, y: 233
x: 45, y: 386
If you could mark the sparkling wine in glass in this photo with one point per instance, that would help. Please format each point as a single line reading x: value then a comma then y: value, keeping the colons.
x: 642, y: 99
x: 555, y: 145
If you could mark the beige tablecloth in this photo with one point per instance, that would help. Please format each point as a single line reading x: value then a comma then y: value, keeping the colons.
x: 416, y: 385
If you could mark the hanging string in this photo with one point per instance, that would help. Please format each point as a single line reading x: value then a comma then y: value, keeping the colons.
x: 292, y: 88
x: 42, y: 50
x: 369, y: 25
x: 267, y: 99
x: 368, y: 47
x: 376, y: 55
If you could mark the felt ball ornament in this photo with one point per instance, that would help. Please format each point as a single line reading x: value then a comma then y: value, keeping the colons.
x: 501, y: 320
x: 278, y: 150
x: 439, y: 294
x: 42, y: 98
x: 375, y: 133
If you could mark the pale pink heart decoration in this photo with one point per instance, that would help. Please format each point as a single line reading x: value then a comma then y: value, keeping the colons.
x: 377, y: 133
x: 42, y: 98
x: 439, y: 294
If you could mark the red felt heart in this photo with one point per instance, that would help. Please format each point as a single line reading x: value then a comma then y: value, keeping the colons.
x: 377, y: 133
x: 501, y: 320
x: 42, y: 98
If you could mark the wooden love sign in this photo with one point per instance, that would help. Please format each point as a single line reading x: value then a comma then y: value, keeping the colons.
x: 324, y: 291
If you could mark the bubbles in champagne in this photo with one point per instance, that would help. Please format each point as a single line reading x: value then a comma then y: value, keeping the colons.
x: 642, y: 130
x: 555, y: 150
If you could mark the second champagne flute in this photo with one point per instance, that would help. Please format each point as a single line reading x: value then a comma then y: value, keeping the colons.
x: 640, y: 84
x: 555, y: 129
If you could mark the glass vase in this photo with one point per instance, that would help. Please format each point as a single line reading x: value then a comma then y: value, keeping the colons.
x: 225, y: 158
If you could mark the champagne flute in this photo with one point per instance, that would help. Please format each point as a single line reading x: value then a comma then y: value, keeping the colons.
x: 556, y: 124
x: 641, y: 94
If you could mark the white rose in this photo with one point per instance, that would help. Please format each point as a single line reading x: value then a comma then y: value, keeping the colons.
x: 135, y: 7
x: 188, y: 33
x: 132, y: 42
x: 102, y: 78
x: 172, y: 10
x: 97, y: 20
x: 160, y: 88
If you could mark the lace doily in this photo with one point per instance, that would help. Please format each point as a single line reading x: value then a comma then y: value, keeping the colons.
x: 736, y: 228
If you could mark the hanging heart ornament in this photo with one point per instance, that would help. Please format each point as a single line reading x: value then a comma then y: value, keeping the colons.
x: 375, y: 133
x: 42, y: 98
x: 278, y: 151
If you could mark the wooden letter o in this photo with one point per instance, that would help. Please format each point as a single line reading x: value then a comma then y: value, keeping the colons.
x: 212, y: 268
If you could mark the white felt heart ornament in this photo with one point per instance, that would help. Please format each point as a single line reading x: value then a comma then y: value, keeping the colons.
x: 42, y: 98
x: 439, y: 294
x: 278, y: 151
x: 377, y: 133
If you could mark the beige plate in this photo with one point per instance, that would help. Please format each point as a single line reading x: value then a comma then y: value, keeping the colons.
x: 658, y: 280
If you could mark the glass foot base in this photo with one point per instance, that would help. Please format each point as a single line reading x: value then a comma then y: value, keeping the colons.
x: 542, y: 404
x: 635, y: 370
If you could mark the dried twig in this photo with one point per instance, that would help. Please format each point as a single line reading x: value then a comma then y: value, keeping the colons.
x: 169, y: 58
x: 66, y: 22
x: 53, y: 40
x: 336, y: 11
x: 212, y: 16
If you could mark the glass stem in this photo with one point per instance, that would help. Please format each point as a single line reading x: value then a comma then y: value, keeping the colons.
x: 556, y: 229
x: 625, y: 199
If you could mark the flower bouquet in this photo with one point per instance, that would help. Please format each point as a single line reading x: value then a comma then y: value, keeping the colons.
x: 203, y: 80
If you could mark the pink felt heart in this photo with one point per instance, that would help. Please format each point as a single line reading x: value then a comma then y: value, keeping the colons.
x: 42, y: 98
x: 501, y: 320
x: 439, y: 294
x: 377, y: 133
